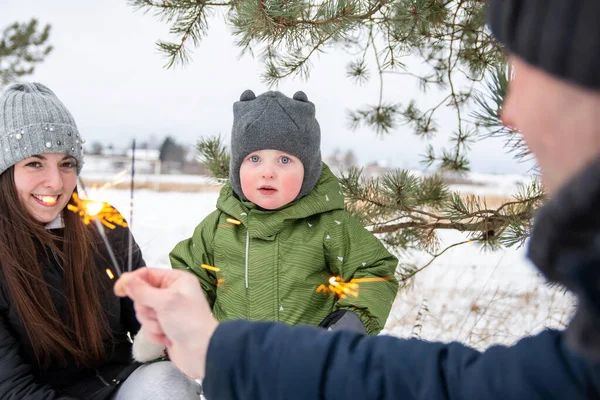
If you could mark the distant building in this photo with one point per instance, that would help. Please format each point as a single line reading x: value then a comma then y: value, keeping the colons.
x: 376, y: 168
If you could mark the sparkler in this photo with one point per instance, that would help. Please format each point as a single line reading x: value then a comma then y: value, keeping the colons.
x: 102, y: 214
x: 90, y: 210
x: 211, y: 268
x: 343, y: 289
x: 111, y: 253
x: 130, y: 254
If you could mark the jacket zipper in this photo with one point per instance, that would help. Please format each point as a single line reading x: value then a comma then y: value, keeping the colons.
x: 247, y: 243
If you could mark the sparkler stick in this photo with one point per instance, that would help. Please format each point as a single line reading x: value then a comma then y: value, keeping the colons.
x: 216, y: 269
x: 111, y: 253
x: 210, y: 268
x: 90, y: 210
x: 130, y: 253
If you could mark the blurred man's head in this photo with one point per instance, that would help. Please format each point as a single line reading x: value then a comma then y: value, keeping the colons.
x: 554, y: 96
x: 560, y: 121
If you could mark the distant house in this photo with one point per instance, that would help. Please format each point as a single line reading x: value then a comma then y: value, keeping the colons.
x: 375, y: 169
x: 151, y: 155
x: 146, y: 162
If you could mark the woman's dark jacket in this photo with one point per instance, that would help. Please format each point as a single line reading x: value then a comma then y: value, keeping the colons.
x: 20, y: 378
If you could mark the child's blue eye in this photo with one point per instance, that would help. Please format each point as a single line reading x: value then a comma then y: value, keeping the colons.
x: 285, y: 160
x: 254, y: 159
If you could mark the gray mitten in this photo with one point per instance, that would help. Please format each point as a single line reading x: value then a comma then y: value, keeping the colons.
x: 343, y: 320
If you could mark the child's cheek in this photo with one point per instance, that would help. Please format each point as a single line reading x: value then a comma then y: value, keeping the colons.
x: 247, y: 182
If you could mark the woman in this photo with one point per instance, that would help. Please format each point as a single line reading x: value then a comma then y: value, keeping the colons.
x: 63, y: 333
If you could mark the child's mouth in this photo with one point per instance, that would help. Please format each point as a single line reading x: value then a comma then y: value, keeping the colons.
x: 267, y: 190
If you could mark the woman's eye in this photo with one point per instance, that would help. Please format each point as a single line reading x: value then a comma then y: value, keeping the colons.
x: 34, y: 164
x: 68, y: 164
x: 254, y: 159
x: 285, y: 160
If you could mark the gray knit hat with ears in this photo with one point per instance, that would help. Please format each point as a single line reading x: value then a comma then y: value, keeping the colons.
x: 276, y: 122
x: 34, y: 121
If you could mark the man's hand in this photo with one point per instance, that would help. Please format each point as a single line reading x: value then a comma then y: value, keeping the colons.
x: 171, y: 307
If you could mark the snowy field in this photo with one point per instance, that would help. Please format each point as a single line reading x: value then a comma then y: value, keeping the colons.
x: 476, y: 297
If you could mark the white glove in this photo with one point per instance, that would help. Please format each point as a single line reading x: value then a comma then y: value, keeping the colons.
x: 144, y: 351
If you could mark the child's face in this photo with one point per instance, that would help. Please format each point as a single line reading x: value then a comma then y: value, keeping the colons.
x: 271, y: 178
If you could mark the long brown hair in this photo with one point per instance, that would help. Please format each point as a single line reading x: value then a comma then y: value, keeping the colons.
x: 79, y: 336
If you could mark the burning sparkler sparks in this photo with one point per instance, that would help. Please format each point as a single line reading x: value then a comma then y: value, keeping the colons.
x: 90, y: 210
x: 101, y: 214
x: 342, y: 289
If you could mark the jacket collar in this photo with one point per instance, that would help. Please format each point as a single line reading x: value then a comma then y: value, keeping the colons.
x: 57, y: 223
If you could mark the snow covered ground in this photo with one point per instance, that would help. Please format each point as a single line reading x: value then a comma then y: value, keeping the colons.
x: 479, y: 298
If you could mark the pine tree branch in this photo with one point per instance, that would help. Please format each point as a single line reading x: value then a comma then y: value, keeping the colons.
x: 22, y: 47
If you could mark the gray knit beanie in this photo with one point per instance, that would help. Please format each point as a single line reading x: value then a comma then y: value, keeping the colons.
x: 34, y: 121
x: 274, y: 121
x: 558, y: 36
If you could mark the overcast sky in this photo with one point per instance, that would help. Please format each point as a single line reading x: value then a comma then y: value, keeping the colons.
x: 105, y: 67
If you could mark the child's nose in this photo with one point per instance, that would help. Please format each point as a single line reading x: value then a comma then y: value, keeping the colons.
x: 268, y: 173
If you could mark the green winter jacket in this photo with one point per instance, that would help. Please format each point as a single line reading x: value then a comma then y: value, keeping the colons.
x: 272, y: 263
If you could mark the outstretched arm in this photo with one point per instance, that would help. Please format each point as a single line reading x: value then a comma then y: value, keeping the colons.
x: 242, y: 360
x: 271, y: 361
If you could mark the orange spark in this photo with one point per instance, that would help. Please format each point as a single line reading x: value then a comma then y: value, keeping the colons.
x: 233, y: 221
x: 90, y: 210
x: 110, y: 274
x: 342, y: 289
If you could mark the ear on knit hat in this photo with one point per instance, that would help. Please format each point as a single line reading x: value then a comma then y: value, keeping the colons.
x: 247, y: 95
x: 275, y: 121
x: 34, y: 121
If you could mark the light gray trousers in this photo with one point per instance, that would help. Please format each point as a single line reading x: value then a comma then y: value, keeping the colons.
x: 158, y: 381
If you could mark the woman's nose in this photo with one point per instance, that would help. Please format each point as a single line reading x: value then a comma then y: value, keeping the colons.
x: 53, y: 179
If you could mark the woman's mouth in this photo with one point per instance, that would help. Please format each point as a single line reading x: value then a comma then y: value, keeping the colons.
x: 46, y: 200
